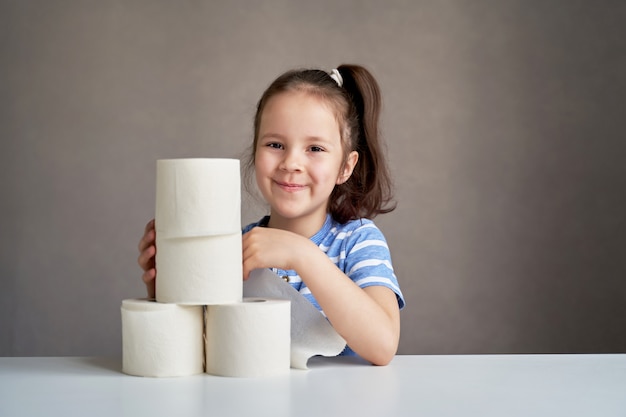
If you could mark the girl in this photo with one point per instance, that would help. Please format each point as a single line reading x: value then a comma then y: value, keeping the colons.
x: 319, y: 164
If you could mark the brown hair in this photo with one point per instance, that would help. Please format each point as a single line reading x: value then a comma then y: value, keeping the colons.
x: 368, y: 191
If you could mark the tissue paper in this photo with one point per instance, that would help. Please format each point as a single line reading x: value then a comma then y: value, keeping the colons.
x: 311, y: 333
x: 248, y: 339
x: 199, y: 270
x: 161, y: 340
x: 197, y: 197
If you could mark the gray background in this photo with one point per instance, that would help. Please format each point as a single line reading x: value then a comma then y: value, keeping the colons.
x: 504, y: 122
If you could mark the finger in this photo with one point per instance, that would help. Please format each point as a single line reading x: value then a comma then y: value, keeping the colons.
x: 146, y: 258
x: 149, y: 275
x: 248, y: 253
x: 253, y: 261
x: 151, y: 287
x: 148, y: 234
x: 149, y: 225
x: 246, y: 247
x: 245, y: 241
x: 143, y: 257
x: 146, y: 240
x: 247, y: 268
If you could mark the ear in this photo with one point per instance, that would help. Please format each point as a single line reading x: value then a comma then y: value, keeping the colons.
x: 348, y: 167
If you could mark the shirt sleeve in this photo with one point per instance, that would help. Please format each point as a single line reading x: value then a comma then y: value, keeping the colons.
x: 368, y: 260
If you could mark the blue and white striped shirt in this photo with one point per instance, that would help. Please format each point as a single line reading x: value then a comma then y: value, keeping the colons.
x: 357, y: 247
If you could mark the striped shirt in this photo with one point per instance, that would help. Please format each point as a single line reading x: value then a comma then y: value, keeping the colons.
x: 357, y: 247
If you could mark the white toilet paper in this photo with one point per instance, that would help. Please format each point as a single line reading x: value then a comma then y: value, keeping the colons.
x: 311, y: 333
x: 197, y: 197
x: 199, y: 270
x: 161, y: 340
x: 248, y: 339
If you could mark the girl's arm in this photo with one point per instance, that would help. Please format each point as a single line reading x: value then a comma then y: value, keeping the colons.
x: 368, y: 319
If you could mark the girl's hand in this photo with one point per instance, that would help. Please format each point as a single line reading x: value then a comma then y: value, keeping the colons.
x: 265, y: 247
x: 147, y: 251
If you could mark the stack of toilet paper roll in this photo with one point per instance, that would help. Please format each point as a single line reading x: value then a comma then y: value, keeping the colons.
x: 200, y: 320
x: 198, y: 231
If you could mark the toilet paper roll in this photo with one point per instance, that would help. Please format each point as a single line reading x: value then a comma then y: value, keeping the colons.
x: 199, y: 270
x: 311, y: 333
x: 197, y: 197
x: 248, y: 339
x: 161, y: 340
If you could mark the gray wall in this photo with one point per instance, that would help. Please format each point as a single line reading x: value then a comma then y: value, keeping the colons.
x: 504, y: 122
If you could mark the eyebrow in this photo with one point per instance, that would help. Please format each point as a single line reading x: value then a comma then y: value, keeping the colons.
x: 272, y: 135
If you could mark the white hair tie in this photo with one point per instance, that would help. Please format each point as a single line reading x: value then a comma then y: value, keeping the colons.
x: 335, y: 75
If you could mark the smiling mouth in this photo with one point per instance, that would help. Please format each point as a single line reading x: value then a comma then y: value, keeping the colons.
x: 289, y: 187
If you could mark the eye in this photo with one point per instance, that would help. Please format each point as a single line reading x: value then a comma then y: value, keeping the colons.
x: 274, y: 145
x: 316, y: 148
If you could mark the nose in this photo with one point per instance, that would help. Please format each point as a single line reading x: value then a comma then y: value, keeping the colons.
x: 292, y: 161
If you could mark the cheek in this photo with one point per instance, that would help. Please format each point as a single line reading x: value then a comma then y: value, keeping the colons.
x: 261, y: 163
x: 261, y: 178
x: 263, y: 170
x: 329, y: 173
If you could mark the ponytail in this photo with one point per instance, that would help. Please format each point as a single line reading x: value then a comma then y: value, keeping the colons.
x: 369, y: 190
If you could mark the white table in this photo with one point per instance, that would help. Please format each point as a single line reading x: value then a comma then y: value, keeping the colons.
x: 473, y: 385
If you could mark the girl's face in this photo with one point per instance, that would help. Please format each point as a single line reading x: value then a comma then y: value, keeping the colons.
x: 299, y: 159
